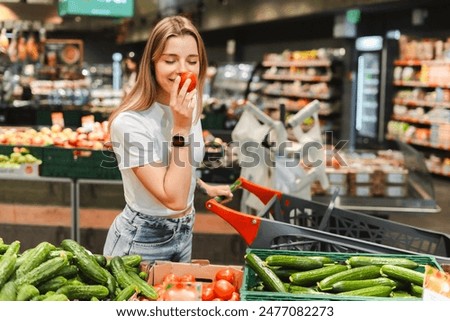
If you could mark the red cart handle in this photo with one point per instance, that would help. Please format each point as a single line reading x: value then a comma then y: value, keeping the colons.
x: 245, y: 224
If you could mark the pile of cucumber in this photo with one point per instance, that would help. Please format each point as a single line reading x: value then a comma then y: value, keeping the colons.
x: 68, y: 272
x: 363, y: 276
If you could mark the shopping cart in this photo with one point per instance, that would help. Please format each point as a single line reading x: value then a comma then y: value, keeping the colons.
x: 290, y: 223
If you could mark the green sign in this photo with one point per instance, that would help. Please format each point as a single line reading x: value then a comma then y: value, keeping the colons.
x: 104, y: 8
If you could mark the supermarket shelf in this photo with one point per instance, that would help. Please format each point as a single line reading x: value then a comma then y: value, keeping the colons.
x: 416, y: 120
x: 421, y: 103
x: 419, y: 143
x: 325, y: 78
x: 413, y: 83
x: 298, y: 63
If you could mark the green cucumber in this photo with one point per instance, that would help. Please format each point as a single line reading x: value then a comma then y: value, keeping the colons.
x: 52, y: 284
x: 8, y: 262
x: 297, y: 289
x: 43, y: 272
x: 132, y: 260
x: 27, y: 292
x: 8, y: 292
x: 144, y: 288
x: 35, y: 258
x: 55, y: 297
x: 402, y: 294
x: 301, y: 263
x: 126, y: 293
x: 416, y: 290
x: 269, y: 278
x: 282, y: 273
x: 402, y: 274
x: 83, y: 292
x: 358, y: 273
x: 356, y: 261
x: 308, y: 278
x: 350, y: 285
x: 377, y: 290
x: 101, y: 259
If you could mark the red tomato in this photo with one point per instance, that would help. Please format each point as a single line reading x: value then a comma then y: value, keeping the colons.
x: 171, y: 278
x: 235, y: 297
x: 187, y: 278
x: 176, y: 293
x: 224, y: 289
x: 188, y: 75
x: 208, y: 292
x: 226, y: 274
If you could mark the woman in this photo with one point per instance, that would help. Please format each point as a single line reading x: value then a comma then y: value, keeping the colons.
x: 157, y: 138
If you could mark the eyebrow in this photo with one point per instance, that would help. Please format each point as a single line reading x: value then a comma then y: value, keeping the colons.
x: 175, y: 56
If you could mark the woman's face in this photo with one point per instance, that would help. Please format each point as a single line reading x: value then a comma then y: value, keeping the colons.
x: 179, y: 55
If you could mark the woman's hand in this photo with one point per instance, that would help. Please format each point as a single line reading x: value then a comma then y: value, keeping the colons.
x: 215, y: 190
x: 182, y: 104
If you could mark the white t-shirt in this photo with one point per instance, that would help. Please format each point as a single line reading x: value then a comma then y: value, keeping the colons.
x: 143, y: 137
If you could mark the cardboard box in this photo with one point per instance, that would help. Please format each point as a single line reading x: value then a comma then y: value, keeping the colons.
x: 203, y: 271
x: 23, y: 170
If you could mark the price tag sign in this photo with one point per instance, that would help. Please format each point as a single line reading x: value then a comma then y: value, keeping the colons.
x: 58, y: 119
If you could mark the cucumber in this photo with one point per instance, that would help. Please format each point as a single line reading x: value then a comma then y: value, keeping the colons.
x: 125, y: 278
x: 269, y: 278
x: 37, y: 256
x: 43, y: 272
x: 416, y: 290
x: 301, y: 263
x: 8, y: 262
x: 377, y: 290
x: 282, y: 273
x: 356, y: 261
x: 350, y: 285
x: 83, y: 292
x: 132, y: 260
x: 297, y: 289
x: 27, y: 292
x: 69, y: 271
x: 52, y: 284
x: 308, y: 278
x: 101, y: 259
x: 126, y: 293
x: 59, y: 252
x: 402, y: 294
x: 358, y: 273
x: 86, y: 262
x: 402, y: 274
x: 8, y: 292
x: 55, y: 297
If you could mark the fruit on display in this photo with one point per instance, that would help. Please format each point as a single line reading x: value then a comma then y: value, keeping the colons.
x: 185, y: 76
x: 18, y: 157
x: 81, y: 137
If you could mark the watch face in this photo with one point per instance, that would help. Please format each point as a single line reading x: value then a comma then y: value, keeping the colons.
x: 178, y: 141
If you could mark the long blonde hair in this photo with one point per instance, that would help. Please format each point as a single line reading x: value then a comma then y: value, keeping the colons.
x: 143, y: 93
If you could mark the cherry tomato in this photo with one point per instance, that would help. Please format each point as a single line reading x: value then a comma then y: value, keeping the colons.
x: 226, y: 274
x: 208, y: 292
x: 224, y: 289
x: 188, y: 75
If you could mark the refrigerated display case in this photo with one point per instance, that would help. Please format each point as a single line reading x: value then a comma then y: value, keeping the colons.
x: 368, y: 123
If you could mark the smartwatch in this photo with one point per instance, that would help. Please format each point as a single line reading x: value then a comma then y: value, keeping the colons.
x: 180, y: 141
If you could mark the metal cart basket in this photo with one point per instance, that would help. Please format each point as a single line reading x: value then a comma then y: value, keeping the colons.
x: 290, y: 223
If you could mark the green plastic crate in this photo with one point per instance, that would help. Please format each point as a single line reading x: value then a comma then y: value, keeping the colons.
x: 79, y: 163
x: 250, y: 279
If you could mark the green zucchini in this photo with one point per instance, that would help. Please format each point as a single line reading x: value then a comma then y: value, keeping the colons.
x: 358, y: 273
x: 402, y: 274
x: 269, y: 278
x: 350, y: 285
x: 43, y: 272
x: 126, y: 293
x: 356, y: 261
x: 308, y: 278
x: 377, y: 290
x: 8, y: 292
x: 37, y: 256
x: 301, y: 263
x: 52, y: 284
x: 8, y: 262
x: 26, y: 292
x: 83, y: 292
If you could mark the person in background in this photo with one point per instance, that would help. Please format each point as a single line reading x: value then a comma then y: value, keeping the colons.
x: 156, y: 135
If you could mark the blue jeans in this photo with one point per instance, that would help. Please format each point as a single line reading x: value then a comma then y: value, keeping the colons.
x: 152, y: 237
